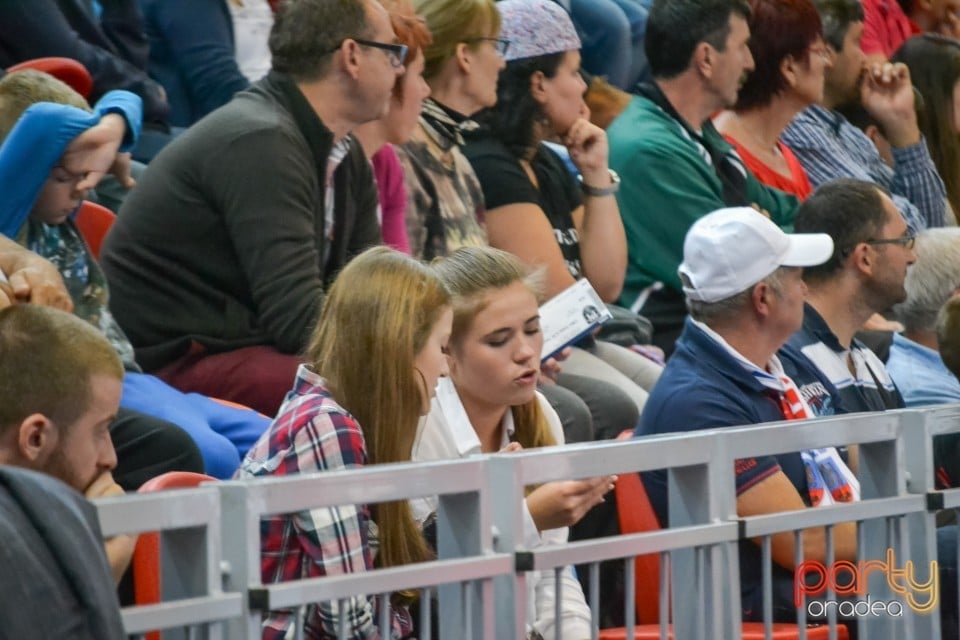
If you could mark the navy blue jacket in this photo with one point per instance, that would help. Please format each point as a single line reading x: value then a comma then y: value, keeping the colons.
x: 704, y: 387
x: 192, y: 55
x: 114, y: 49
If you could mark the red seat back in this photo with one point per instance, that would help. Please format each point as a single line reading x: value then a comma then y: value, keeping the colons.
x: 146, y: 555
x: 94, y: 220
x: 67, y: 70
x: 636, y: 515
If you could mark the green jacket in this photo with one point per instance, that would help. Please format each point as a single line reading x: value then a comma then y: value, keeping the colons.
x: 667, y: 185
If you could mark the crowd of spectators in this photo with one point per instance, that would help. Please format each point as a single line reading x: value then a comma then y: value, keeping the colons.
x: 759, y: 181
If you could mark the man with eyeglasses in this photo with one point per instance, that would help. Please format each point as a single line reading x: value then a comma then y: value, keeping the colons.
x: 873, y: 250
x: 220, y: 257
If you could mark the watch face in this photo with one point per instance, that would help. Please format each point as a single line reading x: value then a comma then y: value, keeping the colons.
x: 610, y: 189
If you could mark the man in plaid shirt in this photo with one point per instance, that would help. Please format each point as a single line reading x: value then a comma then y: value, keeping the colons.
x: 829, y: 147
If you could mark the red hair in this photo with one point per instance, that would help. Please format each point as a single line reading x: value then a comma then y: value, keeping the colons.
x: 411, y: 30
x: 778, y: 28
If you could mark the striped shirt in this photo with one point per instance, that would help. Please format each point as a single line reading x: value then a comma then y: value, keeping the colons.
x: 829, y: 147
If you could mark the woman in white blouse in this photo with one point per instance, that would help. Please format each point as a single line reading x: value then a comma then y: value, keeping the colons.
x: 489, y: 403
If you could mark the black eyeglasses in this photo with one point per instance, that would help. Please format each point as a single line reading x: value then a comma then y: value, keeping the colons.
x: 500, y: 44
x: 907, y: 242
x: 397, y: 53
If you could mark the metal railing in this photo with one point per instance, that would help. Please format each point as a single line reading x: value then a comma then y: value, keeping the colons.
x: 211, y: 535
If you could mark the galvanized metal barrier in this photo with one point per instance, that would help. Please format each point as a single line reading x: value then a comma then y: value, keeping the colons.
x: 480, y: 571
x: 189, y: 521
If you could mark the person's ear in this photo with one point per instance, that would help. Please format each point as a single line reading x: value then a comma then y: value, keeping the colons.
x: 862, y: 258
x: 538, y: 87
x: 349, y: 53
x: 463, y: 57
x: 36, y: 438
x: 788, y: 69
x: 703, y: 58
x: 762, y: 294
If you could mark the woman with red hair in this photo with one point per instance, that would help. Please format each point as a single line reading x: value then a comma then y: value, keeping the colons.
x: 787, y: 45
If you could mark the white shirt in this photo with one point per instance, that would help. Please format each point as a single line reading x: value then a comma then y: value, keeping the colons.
x: 446, y: 433
x: 252, y: 21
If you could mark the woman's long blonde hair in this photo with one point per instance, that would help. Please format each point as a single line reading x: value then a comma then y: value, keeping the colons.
x: 376, y: 318
x: 471, y: 274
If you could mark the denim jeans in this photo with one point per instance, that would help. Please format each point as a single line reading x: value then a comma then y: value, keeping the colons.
x: 612, y: 32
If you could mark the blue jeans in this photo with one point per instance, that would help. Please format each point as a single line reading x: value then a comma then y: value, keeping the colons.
x: 612, y: 33
x: 222, y: 433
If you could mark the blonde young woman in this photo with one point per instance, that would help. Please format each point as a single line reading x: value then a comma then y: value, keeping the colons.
x: 444, y: 200
x: 489, y: 403
x: 375, y: 358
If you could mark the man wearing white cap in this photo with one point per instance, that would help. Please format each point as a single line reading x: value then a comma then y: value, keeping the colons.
x: 741, y: 275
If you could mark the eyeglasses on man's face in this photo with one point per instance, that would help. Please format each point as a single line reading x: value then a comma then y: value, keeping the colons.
x: 500, y: 44
x: 396, y: 53
x: 907, y: 242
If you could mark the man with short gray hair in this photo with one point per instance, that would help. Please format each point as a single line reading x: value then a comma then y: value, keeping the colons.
x: 914, y: 362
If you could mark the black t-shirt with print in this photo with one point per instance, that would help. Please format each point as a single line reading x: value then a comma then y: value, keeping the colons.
x: 504, y: 182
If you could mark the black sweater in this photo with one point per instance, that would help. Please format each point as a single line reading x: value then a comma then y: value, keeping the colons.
x: 221, y: 240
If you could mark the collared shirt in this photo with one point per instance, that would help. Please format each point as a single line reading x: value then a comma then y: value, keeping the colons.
x: 923, y: 379
x: 829, y: 147
x: 920, y: 374
x: 313, y: 433
x: 829, y: 480
x: 704, y: 387
x: 868, y: 388
x: 446, y: 433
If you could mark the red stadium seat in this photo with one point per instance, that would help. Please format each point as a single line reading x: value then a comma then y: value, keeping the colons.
x: 66, y: 70
x: 636, y: 515
x: 94, y: 221
x: 146, y: 555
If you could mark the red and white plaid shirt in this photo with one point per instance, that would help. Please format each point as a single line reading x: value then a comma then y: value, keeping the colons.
x: 313, y: 433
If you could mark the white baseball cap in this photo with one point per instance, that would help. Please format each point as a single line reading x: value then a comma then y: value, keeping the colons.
x: 730, y: 250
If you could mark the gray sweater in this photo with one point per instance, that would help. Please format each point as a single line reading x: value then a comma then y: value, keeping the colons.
x: 56, y: 582
x: 221, y: 241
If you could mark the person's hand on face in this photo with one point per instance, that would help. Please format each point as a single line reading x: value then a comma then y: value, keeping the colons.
x: 887, y: 95
x: 93, y: 153
x: 120, y: 548
x: 587, y: 144
x: 950, y: 25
